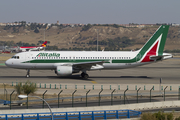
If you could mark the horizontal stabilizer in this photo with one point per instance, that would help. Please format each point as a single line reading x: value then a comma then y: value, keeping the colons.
x: 164, y: 56
x: 156, y: 58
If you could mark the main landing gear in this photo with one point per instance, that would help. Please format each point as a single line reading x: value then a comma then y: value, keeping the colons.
x: 84, y: 75
x: 28, y: 73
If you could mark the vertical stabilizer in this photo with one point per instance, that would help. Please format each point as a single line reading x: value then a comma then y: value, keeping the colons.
x: 155, y: 45
x: 44, y: 44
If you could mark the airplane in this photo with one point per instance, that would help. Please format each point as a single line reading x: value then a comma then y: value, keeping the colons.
x: 65, y: 63
x: 30, y: 48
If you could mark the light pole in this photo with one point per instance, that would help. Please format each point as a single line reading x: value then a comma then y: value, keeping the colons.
x: 25, y: 96
x: 44, y: 37
x: 97, y: 39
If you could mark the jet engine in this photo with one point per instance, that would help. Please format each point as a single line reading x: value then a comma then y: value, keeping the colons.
x: 64, y: 70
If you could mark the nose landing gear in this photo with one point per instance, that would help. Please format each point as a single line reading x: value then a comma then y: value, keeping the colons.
x: 28, y: 73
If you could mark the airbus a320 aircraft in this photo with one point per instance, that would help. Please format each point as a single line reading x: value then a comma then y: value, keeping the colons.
x: 66, y: 63
x: 30, y: 48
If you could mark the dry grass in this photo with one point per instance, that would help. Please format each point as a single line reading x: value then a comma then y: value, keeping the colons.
x: 66, y: 37
x: 5, y: 85
x: 4, y: 58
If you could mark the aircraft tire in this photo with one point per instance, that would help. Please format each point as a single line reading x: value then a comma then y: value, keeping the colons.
x: 86, y: 76
x: 82, y: 74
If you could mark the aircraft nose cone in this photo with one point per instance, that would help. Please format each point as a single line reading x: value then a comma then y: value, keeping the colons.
x: 7, y: 63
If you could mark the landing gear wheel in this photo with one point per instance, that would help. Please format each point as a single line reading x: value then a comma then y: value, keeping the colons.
x: 84, y: 75
x: 28, y: 72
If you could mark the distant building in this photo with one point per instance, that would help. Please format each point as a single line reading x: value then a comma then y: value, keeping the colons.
x: 174, y: 24
x: 2, y: 24
x: 57, y: 23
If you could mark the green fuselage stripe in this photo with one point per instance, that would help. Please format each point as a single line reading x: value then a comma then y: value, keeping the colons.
x: 79, y: 61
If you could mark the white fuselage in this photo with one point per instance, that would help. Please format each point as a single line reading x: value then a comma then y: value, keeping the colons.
x: 30, y: 60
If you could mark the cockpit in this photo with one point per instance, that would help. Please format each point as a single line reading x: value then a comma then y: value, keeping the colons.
x: 15, y: 57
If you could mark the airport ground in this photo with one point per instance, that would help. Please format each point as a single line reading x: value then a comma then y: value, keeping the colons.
x: 148, y: 75
x: 168, y: 70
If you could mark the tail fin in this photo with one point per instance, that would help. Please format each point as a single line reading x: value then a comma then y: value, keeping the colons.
x: 44, y: 44
x: 154, y: 46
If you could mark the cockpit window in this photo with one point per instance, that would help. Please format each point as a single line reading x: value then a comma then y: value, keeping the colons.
x: 15, y: 57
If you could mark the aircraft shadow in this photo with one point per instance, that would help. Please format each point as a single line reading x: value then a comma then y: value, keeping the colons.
x: 77, y: 77
x: 73, y: 77
x: 122, y: 77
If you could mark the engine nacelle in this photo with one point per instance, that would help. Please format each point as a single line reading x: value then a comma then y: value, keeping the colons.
x: 64, y: 70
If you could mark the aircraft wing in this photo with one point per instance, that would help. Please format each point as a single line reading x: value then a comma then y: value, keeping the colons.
x: 87, y: 65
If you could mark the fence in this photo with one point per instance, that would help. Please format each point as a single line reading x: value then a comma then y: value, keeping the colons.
x: 97, y: 100
x: 139, y: 95
x: 102, y: 86
x: 107, y: 114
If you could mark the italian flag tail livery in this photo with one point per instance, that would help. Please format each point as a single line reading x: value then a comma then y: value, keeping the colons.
x: 153, y: 49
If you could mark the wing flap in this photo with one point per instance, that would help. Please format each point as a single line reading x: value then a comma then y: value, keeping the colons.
x: 89, y: 65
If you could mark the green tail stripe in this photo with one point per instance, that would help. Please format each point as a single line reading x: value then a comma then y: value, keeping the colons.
x: 163, y: 40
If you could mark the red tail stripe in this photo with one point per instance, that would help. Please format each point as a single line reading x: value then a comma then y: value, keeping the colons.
x: 150, y: 53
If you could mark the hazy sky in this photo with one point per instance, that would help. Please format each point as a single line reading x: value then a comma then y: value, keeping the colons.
x: 91, y: 11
